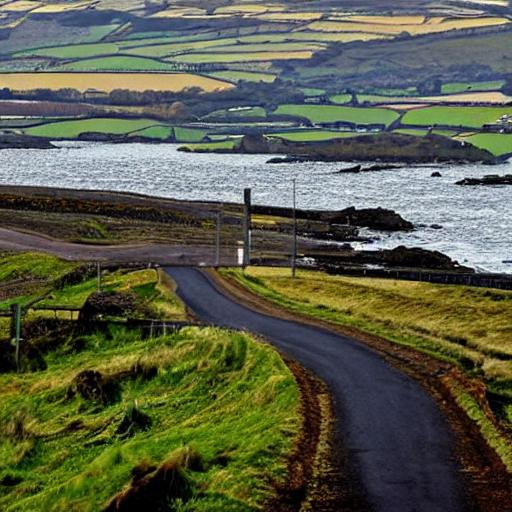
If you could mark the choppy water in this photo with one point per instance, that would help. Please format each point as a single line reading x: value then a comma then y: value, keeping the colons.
x: 477, y: 221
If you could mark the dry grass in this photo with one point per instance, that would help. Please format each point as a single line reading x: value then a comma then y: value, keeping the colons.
x: 65, y: 7
x: 395, y: 29
x: 471, y: 325
x: 109, y: 81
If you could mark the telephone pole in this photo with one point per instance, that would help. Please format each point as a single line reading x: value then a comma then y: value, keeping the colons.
x: 247, y: 227
x: 294, y: 237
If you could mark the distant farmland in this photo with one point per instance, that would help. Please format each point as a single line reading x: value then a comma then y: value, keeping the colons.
x: 472, y: 117
x: 107, y: 82
x: 332, y: 114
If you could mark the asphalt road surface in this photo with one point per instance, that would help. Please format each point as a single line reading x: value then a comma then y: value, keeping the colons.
x: 398, y: 439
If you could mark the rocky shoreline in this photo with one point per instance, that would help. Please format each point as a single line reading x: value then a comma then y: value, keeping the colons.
x: 13, y: 141
x: 489, y: 180
x: 386, y: 147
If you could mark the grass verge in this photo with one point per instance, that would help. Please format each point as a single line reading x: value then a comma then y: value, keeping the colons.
x: 228, y: 401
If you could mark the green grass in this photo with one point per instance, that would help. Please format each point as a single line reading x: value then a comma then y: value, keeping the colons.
x: 72, y: 129
x: 498, y: 144
x: 331, y: 114
x: 78, y: 51
x: 30, y: 265
x: 341, y: 99
x: 118, y: 63
x: 189, y: 134
x: 312, y: 91
x: 161, y: 132
x: 457, y: 87
x: 227, y: 397
x: 153, y: 296
x: 312, y: 135
x: 472, y: 117
x: 248, y: 76
x: 211, y: 146
x: 411, y: 131
x: 463, y: 324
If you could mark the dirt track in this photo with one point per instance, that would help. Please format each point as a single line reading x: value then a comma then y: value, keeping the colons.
x: 151, y: 252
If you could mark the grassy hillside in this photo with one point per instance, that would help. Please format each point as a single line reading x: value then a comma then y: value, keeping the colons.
x: 470, y: 325
x: 217, y: 408
x: 201, y: 419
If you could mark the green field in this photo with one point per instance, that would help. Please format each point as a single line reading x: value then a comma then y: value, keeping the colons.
x: 161, y: 132
x: 78, y: 51
x: 72, y: 129
x: 332, y: 114
x: 238, y: 76
x: 211, y: 146
x: 311, y: 135
x: 498, y: 144
x: 189, y: 134
x: 341, y: 99
x: 472, y: 117
x: 118, y: 63
x: 459, y: 87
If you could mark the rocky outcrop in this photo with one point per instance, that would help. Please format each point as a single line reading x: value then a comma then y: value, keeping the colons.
x: 13, y: 141
x: 374, y: 218
x: 491, y: 179
x: 399, y: 257
x: 384, y: 147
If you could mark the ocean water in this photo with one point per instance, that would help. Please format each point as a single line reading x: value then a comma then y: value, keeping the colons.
x: 476, y: 221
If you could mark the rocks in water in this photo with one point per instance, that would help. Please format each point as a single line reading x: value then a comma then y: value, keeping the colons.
x: 436, y: 174
x: 414, y: 257
x: 400, y: 257
x: 374, y: 218
x: 285, y: 160
x: 490, y: 179
x: 353, y: 169
x: 436, y: 226
x: 14, y: 141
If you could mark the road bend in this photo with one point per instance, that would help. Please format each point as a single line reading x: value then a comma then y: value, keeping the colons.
x: 397, y: 439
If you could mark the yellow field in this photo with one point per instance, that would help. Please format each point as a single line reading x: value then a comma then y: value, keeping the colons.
x: 107, y: 82
x: 56, y: 8
x: 290, y: 16
x: 20, y: 6
x: 179, y: 12
x: 494, y: 97
x: 387, y: 28
x: 200, y: 58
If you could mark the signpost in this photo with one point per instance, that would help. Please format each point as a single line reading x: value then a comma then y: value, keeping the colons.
x: 247, y: 227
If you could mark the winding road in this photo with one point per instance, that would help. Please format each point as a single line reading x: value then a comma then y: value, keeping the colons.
x: 397, y: 438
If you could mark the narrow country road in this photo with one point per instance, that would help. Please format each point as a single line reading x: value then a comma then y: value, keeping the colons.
x: 398, y: 439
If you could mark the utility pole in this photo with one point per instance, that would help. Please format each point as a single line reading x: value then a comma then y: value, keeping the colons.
x: 247, y: 227
x: 98, y: 269
x: 294, y: 241
x: 217, y: 239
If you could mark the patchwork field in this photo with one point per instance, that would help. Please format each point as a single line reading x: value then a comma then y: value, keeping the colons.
x: 498, y: 144
x: 333, y: 114
x: 110, y: 81
x: 473, y: 117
